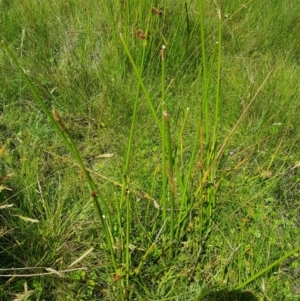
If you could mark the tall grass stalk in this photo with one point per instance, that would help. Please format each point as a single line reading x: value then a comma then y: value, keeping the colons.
x: 142, y: 85
x: 163, y: 160
x: 206, y: 135
x: 69, y: 144
x: 167, y: 169
x: 164, y: 126
x: 126, y: 179
x: 212, y: 127
x: 168, y: 148
x: 171, y: 180
x: 138, y: 73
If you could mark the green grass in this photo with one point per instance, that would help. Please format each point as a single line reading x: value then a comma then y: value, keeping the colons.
x: 192, y: 161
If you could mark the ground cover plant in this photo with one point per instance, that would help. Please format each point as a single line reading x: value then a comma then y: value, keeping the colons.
x: 149, y: 150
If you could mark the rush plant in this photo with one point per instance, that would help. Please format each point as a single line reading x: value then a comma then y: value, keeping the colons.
x: 158, y: 242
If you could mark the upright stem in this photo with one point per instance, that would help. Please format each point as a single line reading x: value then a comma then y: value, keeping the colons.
x: 164, y: 172
x: 69, y: 143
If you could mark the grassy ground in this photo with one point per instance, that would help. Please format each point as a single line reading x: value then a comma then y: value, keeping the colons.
x: 193, y: 226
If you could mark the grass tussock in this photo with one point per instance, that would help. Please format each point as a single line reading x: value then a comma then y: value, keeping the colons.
x: 149, y: 150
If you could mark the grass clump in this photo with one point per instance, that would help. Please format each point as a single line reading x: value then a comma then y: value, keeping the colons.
x: 167, y: 166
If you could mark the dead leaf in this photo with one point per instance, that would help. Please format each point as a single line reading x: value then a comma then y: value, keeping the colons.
x: 27, y: 219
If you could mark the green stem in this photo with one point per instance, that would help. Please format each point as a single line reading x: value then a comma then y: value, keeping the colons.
x: 68, y: 142
x: 269, y: 267
x: 164, y: 171
x: 139, y: 77
x: 171, y: 182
